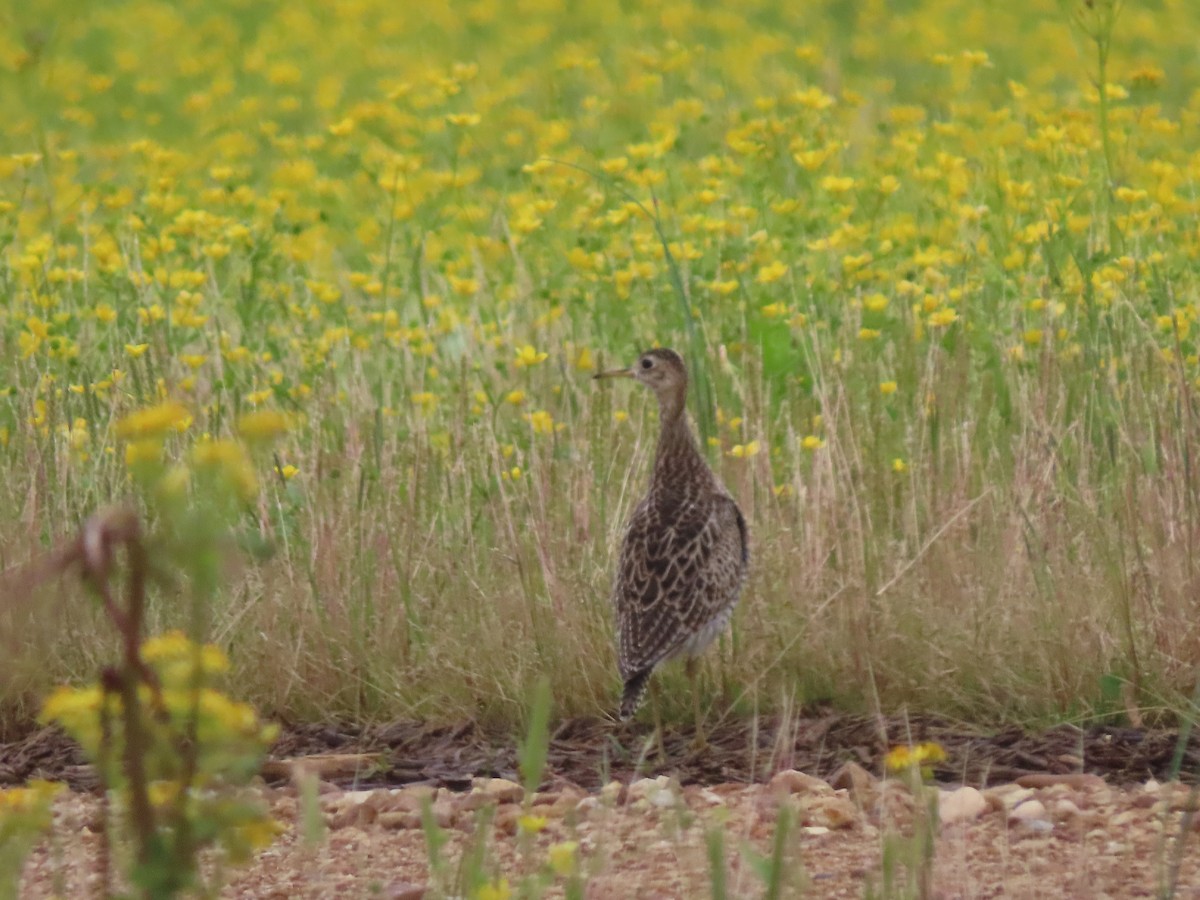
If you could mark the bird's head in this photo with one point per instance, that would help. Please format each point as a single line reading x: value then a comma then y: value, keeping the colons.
x: 660, y: 369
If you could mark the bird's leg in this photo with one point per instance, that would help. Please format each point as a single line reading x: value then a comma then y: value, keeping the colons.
x: 692, y: 668
x: 656, y: 708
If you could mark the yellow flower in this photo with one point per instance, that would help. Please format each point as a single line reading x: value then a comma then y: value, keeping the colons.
x: 262, y: 425
x: 887, y: 387
x: 425, y: 401
x: 175, y: 646
x: 259, y: 833
x: 527, y: 356
x: 771, y: 273
x: 745, y: 451
x: 494, y: 890
x: 516, y: 398
x: 837, y: 184
x: 531, y: 824
x: 136, y: 350
x: 899, y: 465
x: 812, y: 442
x: 922, y: 755
x: 943, y: 317
x: 541, y: 421
x: 287, y: 471
x: 562, y: 857
x: 162, y: 792
x: 227, y: 458
x: 148, y: 450
x: 463, y: 120
x: 31, y: 803
x: 1147, y: 76
x: 614, y: 165
x: 464, y: 287
x: 73, y: 708
x: 154, y: 421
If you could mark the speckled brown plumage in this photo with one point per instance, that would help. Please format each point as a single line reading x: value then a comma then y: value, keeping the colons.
x: 686, y: 550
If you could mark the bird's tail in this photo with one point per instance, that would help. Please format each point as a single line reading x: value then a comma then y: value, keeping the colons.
x: 635, y: 691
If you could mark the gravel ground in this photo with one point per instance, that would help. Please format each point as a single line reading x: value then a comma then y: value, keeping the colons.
x: 1057, y: 836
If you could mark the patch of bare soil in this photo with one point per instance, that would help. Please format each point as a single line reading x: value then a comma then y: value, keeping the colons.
x: 1087, y: 819
x: 1073, y: 838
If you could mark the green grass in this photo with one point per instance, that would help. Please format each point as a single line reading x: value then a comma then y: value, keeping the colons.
x: 946, y: 320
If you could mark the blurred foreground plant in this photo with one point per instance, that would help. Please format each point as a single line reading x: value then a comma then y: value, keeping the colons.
x: 24, y: 817
x: 175, y: 754
x: 913, y: 766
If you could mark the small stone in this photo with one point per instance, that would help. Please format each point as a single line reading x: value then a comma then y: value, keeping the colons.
x: 862, y: 785
x: 473, y: 801
x: 1040, y: 826
x: 1121, y: 819
x: 404, y: 890
x: 648, y: 788
x: 1065, y: 809
x: 352, y: 815
x: 566, y: 802
x: 829, y: 812
x: 1007, y: 796
x: 444, y: 813
x: 963, y: 805
x: 789, y: 781
x: 399, y: 821
x: 1180, y: 798
x: 703, y: 796
x: 815, y: 829
x: 1028, y: 811
x: 412, y: 797
x: 1074, y: 780
x: 663, y: 799
x: 507, y: 818
x: 614, y: 792
x: 500, y: 789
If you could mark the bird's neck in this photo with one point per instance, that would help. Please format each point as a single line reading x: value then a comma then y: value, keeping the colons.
x: 677, y: 459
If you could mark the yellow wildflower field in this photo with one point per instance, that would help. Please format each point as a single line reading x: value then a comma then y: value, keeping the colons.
x: 933, y: 264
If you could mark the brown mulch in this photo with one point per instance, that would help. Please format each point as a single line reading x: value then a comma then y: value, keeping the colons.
x: 591, y: 752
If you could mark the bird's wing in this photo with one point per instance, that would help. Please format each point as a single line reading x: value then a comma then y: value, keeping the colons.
x: 681, y: 565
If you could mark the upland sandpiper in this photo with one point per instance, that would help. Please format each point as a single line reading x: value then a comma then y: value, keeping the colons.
x: 686, y: 549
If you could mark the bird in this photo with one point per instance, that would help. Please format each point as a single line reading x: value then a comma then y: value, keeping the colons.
x: 685, y: 553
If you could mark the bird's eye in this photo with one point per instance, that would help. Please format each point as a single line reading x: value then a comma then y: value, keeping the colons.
x: 647, y: 363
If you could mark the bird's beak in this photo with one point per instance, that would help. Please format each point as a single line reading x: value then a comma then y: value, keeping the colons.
x: 615, y: 373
